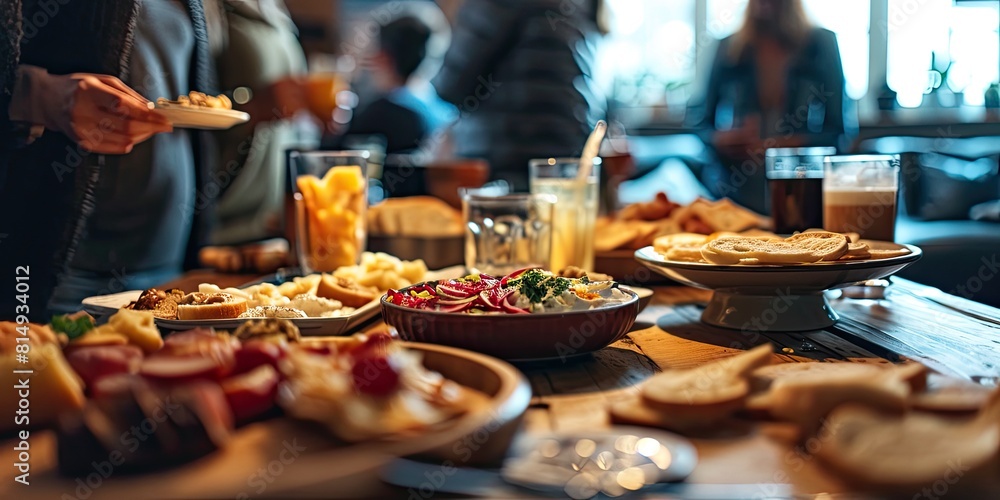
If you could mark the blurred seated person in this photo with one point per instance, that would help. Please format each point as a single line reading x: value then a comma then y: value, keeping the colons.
x: 777, y: 82
x: 400, y: 115
x: 520, y: 73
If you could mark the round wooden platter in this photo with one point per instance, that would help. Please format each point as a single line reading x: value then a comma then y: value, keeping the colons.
x: 283, y: 457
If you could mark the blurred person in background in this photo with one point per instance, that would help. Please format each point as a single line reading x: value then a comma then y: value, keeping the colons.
x: 777, y: 82
x: 260, y: 52
x: 99, y: 197
x: 403, y: 117
x: 520, y: 75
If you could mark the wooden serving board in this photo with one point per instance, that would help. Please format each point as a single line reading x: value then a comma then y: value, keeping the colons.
x: 282, y: 457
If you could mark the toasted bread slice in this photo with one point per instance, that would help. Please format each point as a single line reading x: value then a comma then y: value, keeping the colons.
x: 728, y: 251
x: 684, y: 254
x: 720, y: 386
x: 769, y: 374
x: 807, y: 401
x: 830, y: 245
x: 905, y: 453
x: 201, y: 306
x: 663, y: 244
x: 633, y: 411
x: 888, y: 253
x: 856, y: 251
x: 724, y: 215
x: 695, y: 392
x: 346, y: 291
x: 419, y: 216
x: 614, y: 234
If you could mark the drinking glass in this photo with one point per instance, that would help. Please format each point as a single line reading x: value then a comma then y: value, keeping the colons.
x: 331, y: 195
x: 506, y: 232
x: 795, y: 184
x: 859, y: 195
x: 576, y: 208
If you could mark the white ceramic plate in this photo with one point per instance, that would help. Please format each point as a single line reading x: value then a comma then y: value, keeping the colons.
x: 780, y: 298
x: 103, y: 305
x: 202, y: 118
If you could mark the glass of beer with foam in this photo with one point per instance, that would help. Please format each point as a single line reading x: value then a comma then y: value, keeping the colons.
x: 859, y: 195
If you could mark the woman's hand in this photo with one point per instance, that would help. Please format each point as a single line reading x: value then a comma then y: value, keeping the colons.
x: 106, y: 116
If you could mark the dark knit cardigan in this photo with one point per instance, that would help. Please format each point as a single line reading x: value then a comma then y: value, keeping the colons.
x: 47, y: 187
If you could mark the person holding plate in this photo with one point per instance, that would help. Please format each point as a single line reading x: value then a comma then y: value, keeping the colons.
x: 97, y: 197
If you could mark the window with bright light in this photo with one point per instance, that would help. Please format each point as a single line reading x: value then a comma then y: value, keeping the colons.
x: 650, y: 51
x: 652, y: 46
x: 938, y: 45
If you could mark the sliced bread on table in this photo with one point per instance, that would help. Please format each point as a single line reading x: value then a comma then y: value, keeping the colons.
x: 202, y: 306
x: 831, y: 246
x: 731, y: 250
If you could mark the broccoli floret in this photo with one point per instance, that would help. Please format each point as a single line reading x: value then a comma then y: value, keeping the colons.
x: 538, y: 286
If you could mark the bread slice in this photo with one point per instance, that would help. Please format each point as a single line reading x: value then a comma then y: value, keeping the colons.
x: 348, y: 292
x: 201, y: 306
x: 419, y: 216
x: 695, y: 393
x: 856, y: 251
x: 684, y: 254
x: 633, y: 411
x: 888, y: 253
x: 663, y: 244
x: 614, y: 234
x: 731, y: 250
x: 831, y: 246
x: 724, y: 215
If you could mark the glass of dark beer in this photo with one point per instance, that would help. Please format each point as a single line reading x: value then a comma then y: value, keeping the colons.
x: 795, y: 183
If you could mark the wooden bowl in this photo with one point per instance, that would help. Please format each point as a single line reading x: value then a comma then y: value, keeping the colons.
x: 517, y: 337
x: 317, y: 465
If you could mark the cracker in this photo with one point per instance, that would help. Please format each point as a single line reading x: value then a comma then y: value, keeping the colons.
x: 730, y: 250
x: 856, y: 251
x: 831, y: 246
x: 888, y: 253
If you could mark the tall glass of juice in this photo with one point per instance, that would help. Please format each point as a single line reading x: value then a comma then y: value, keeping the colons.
x: 331, y: 197
x: 575, y: 214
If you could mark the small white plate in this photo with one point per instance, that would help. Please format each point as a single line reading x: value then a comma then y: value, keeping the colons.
x: 104, y: 305
x: 202, y: 118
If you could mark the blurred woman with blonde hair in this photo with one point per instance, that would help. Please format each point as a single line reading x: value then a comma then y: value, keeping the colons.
x: 777, y: 82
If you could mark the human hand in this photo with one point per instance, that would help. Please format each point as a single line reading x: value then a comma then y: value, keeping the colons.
x: 739, y: 142
x: 279, y: 100
x: 106, y: 116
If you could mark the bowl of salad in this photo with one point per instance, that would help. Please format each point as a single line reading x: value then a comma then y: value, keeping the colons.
x: 528, y: 315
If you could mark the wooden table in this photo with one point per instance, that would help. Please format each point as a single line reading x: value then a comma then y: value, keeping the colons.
x: 912, y: 322
x: 669, y: 335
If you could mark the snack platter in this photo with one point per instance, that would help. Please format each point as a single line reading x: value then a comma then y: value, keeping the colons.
x: 309, y: 326
x: 200, y: 111
x: 788, y: 297
x: 238, y: 399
